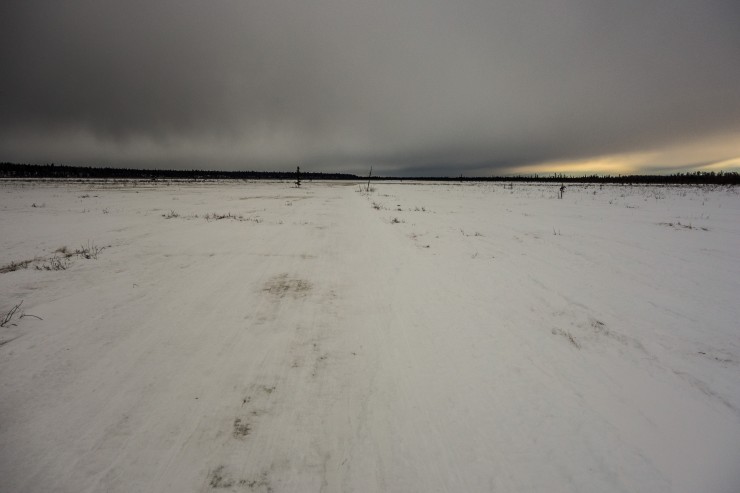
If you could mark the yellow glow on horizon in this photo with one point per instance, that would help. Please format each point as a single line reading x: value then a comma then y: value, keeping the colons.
x: 642, y: 163
x: 732, y: 164
x: 604, y: 165
x: 713, y: 153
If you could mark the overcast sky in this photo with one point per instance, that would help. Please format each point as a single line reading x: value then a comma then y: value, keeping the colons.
x: 425, y: 87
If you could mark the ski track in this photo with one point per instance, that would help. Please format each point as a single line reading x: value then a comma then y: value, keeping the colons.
x: 421, y: 337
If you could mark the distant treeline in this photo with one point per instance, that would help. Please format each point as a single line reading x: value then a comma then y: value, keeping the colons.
x: 698, y: 177
x: 11, y: 170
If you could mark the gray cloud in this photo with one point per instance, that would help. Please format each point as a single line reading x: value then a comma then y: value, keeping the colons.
x: 425, y: 85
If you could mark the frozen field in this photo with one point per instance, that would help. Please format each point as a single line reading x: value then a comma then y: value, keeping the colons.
x: 423, y: 337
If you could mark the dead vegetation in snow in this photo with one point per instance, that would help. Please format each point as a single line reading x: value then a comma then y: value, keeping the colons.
x: 284, y: 285
x: 60, y: 260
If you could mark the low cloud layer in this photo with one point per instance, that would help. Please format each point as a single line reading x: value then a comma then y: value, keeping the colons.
x: 420, y: 86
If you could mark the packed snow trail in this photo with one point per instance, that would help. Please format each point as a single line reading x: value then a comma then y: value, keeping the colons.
x: 258, y: 337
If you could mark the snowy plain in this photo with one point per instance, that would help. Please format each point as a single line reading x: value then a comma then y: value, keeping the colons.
x: 451, y: 337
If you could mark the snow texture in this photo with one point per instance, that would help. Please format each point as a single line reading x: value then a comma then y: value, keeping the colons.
x: 421, y: 337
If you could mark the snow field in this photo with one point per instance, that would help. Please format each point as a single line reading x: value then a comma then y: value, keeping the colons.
x: 420, y: 337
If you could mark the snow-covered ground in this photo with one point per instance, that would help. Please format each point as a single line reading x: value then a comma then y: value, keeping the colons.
x: 422, y: 337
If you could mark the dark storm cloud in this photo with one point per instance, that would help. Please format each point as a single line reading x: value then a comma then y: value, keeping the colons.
x: 443, y: 87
